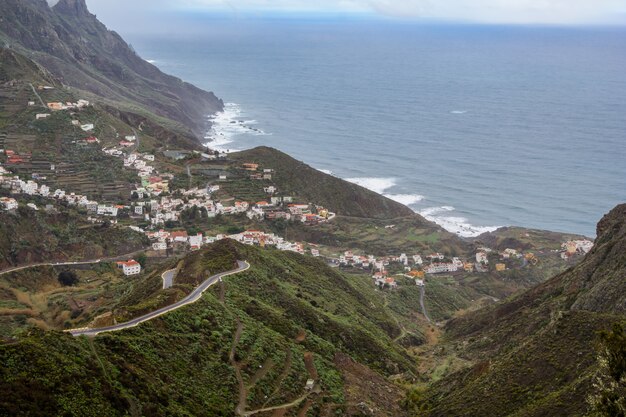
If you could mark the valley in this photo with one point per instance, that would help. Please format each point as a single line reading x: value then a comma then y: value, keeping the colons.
x: 145, y: 274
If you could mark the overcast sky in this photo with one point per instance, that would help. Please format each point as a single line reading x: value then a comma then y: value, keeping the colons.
x: 481, y: 11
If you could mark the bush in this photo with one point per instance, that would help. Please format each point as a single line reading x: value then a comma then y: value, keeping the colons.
x: 68, y: 278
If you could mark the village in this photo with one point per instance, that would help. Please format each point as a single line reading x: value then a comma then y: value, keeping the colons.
x: 153, y: 202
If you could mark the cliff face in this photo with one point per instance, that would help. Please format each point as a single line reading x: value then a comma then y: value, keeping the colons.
x: 79, y: 50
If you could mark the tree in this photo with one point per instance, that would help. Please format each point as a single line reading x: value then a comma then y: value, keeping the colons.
x: 68, y: 278
x: 610, y: 384
x: 142, y: 258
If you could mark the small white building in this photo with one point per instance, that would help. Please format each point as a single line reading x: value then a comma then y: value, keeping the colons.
x: 42, y: 116
x: 162, y: 245
x: 8, y: 203
x: 87, y: 127
x: 481, y: 257
x: 130, y: 267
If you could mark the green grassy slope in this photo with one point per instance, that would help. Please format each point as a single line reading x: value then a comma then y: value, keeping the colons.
x: 28, y: 237
x: 287, y: 314
x: 296, y: 178
x: 535, y: 354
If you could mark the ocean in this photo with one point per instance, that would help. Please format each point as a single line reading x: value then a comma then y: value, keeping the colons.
x: 474, y: 127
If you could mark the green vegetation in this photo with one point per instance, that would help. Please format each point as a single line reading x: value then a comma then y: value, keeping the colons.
x: 68, y: 278
x: 294, y: 178
x: 277, y: 324
x: 610, y: 397
x: 28, y: 237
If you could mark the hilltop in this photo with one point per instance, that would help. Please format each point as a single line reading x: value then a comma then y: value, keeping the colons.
x: 296, y: 177
x: 535, y: 353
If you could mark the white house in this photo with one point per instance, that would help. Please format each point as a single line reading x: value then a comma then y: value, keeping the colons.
x: 42, y: 116
x: 161, y: 245
x: 131, y: 267
x: 87, y: 127
x: 481, y: 257
x: 8, y: 203
x: 196, y: 241
x: 107, y: 210
x: 130, y: 138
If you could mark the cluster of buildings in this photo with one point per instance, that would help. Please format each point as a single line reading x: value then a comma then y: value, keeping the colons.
x: 417, y: 267
x: 57, y: 106
x: 162, y: 240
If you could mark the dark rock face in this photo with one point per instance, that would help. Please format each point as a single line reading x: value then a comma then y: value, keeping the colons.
x: 79, y: 50
x: 77, y: 8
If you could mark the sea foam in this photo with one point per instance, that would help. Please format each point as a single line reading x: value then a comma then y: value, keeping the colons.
x: 380, y: 185
x: 228, y: 124
x: 454, y: 224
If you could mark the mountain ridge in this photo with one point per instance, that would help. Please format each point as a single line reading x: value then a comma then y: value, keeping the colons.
x: 81, y: 52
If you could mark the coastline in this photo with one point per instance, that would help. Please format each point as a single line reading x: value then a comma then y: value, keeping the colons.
x: 227, y: 125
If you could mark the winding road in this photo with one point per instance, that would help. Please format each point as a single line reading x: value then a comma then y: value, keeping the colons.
x: 190, y: 299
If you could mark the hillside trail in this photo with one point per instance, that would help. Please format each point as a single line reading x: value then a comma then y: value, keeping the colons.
x: 243, y: 392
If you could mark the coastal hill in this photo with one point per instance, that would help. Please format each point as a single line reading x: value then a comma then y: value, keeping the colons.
x: 535, y: 353
x: 78, y: 49
x: 296, y: 177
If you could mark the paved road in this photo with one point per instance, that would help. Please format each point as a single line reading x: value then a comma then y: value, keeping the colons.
x: 422, y: 292
x: 190, y: 299
x: 168, y: 278
x: 94, y: 261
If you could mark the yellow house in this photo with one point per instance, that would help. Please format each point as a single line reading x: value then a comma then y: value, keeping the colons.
x: 468, y: 267
x: 56, y: 106
x: 500, y: 267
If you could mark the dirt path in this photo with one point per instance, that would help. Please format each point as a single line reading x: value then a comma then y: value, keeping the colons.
x: 243, y: 392
x: 263, y: 370
x: 277, y: 407
x: 281, y: 378
x: 305, y: 408
x: 310, y: 365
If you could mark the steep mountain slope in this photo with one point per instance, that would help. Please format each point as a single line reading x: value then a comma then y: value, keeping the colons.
x: 535, y: 354
x: 345, y: 198
x: 250, y: 343
x: 75, y: 47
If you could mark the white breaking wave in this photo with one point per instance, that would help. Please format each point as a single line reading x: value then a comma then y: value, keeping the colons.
x: 380, y: 185
x: 406, y: 199
x: 454, y: 224
x: 458, y: 111
x: 151, y: 61
x: 228, y: 124
x: 326, y: 171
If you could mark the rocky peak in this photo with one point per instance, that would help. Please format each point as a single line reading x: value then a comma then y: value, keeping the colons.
x: 76, y: 8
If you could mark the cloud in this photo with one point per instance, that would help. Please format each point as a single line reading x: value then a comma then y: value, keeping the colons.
x: 484, y: 11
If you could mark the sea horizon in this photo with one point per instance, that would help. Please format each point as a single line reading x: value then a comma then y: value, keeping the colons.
x: 506, y: 139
